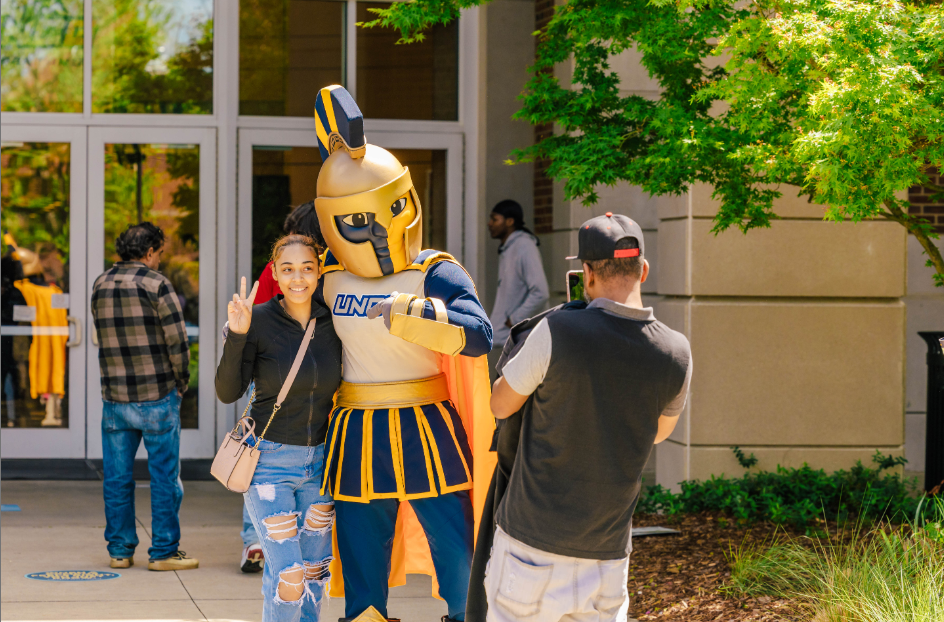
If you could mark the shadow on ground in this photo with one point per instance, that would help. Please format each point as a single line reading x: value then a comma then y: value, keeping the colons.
x: 60, y: 526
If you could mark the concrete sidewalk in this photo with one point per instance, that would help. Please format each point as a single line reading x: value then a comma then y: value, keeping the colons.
x: 61, y: 525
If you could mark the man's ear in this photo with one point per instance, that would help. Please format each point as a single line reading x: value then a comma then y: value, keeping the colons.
x: 587, y: 275
x: 645, y: 271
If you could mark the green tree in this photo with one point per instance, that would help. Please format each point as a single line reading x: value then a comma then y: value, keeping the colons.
x: 843, y: 99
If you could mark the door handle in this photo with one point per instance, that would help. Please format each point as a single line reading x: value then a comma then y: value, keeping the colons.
x: 94, y: 336
x: 76, y: 323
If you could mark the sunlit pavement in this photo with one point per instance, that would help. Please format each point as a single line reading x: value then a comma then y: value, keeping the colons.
x: 60, y: 526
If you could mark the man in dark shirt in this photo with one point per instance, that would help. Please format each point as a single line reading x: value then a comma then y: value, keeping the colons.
x: 144, y: 357
x: 599, y: 387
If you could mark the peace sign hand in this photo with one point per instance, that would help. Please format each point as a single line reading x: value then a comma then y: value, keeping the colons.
x: 239, y: 310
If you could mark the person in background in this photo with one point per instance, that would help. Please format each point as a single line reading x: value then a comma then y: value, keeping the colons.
x: 608, y: 382
x: 144, y: 358
x: 304, y: 221
x: 11, y: 297
x: 522, y: 285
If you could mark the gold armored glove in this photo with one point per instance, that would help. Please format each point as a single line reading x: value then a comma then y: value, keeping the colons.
x: 406, y: 321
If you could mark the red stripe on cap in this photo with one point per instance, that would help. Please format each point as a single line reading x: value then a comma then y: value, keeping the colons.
x: 626, y: 252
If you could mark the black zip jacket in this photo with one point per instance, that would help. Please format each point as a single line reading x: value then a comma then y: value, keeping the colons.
x: 265, y: 353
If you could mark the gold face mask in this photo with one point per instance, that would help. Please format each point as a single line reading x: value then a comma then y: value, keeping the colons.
x: 369, y: 212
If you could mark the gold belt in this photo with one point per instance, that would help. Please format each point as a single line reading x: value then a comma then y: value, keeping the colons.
x: 405, y: 394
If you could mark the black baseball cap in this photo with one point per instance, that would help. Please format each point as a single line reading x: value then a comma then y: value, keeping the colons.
x: 598, y: 237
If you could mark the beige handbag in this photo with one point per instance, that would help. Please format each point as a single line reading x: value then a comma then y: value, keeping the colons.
x: 235, y: 462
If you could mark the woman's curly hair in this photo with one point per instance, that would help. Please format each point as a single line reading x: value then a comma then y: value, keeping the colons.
x: 137, y: 240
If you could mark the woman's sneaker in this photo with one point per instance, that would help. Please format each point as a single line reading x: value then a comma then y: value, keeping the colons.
x: 253, y: 558
x: 177, y: 561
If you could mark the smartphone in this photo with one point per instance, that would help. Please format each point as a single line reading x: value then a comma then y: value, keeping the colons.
x: 575, y: 285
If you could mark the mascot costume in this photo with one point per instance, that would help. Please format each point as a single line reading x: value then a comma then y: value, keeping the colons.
x: 412, y: 410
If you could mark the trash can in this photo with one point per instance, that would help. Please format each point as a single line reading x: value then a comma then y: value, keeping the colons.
x: 934, y: 442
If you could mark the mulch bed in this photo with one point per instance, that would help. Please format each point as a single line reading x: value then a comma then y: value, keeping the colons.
x: 677, y: 577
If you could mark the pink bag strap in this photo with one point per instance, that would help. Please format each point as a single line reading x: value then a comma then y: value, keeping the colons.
x: 296, y: 365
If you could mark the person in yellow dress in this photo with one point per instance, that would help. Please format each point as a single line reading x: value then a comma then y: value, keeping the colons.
x: 47, y: 355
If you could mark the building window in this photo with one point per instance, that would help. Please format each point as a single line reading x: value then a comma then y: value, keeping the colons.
x: 415, y: 81
x: 288, y: 50
x: 282, y: 178
x: 42, y: 56
x: 151, y: 56
x: 36, y: 362
x: 285, y: 177
x: 161, y: 184
x: 428, y: 172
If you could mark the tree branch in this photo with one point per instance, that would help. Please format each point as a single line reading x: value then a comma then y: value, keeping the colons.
x: 921, y: 234
x: 932, y: 186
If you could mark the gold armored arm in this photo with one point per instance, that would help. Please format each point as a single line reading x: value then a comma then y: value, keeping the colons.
x: 407, y: 322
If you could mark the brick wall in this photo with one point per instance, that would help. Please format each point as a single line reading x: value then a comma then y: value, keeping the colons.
x: 543, y: 186
x: 921, y: 203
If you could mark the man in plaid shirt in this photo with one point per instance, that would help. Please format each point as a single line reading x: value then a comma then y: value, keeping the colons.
x: 144, y: 357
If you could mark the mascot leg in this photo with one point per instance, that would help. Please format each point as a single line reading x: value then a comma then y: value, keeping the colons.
x: 365, y: 542
x: 447, y: 521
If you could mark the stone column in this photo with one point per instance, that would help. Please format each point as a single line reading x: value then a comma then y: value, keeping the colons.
x: 797, y: 333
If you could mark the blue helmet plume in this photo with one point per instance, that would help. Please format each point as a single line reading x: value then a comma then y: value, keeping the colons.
x: 339, y: 123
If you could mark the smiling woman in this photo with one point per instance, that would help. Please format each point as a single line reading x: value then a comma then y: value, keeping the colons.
x: 292, y: 515
x: 296, y: 268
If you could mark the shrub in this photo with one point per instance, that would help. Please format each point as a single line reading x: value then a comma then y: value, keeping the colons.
x: 888, y: 574
x: 797, y: 496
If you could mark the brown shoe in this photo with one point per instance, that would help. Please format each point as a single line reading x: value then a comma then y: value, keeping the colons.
x: 122, y: 562
x: 177, y: 561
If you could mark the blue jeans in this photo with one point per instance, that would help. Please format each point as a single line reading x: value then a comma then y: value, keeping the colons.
x: 123, y: 427
x: 286, y: 486
x: 365, y: 543
x: 248, y: 534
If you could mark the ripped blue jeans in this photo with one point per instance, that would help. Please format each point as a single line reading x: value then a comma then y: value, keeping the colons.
x: 294, y: 522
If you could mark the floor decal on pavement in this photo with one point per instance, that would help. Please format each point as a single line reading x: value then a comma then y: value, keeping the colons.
x: 72, y: 575
x: 12, y: 507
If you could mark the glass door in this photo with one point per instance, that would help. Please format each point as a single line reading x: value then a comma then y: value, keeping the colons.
x: 43, y: 215
x: 166, y: 176
x: 279, y: 171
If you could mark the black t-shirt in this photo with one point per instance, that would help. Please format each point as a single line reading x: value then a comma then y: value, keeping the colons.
x: 265, y: 354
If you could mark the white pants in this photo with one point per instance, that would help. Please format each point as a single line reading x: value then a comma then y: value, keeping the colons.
x: 525, y: 583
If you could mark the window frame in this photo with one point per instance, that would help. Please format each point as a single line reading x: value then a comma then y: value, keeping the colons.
x: 226, y: 81
x: 461, y: 138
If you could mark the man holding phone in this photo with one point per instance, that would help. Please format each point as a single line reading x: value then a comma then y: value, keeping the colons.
x: 598, y: 387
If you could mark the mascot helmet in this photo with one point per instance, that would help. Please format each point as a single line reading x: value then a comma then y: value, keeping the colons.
x: 367, y: 207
